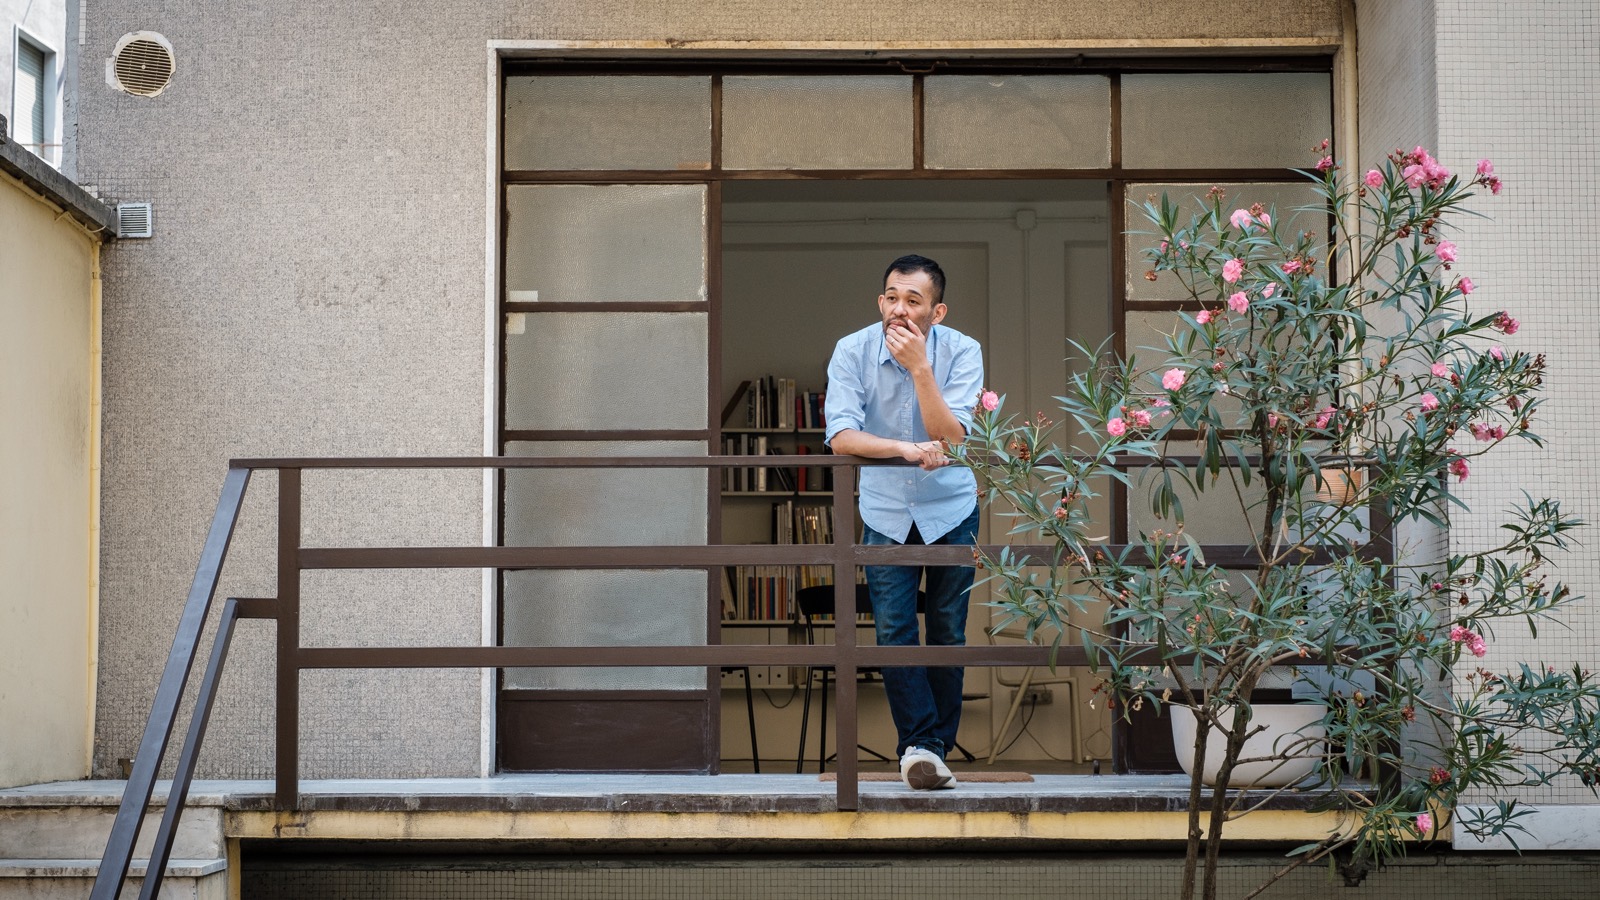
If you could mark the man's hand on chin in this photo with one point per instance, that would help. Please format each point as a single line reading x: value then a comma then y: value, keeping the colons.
x: 907, y: 344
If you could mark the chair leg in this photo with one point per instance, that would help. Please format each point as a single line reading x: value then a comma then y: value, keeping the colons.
x: 805, y: 720
x: 965, y: 753
x: 750, y: 707
x: 1011, y: 714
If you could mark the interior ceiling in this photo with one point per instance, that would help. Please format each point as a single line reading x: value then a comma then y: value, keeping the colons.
x: 912, y: 191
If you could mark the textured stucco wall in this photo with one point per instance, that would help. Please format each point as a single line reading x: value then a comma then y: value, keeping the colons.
x: 1514, y: 83
x: 316, y: 286
x: 1518, y: 85
x: 46, y: 383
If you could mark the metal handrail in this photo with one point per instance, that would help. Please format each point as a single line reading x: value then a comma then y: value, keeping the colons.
x: 844, y: 656
x: 164, y: 710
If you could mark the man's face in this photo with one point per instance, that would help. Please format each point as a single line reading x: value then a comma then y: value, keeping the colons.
x: 908, y: 297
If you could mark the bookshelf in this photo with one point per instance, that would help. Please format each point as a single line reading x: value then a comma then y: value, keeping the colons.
x: 769, y: 416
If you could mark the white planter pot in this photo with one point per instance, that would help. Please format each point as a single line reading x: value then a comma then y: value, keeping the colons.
x: 1289, y: 726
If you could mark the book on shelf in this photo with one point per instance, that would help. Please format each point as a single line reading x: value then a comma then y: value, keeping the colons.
x: 767, y: 593
x: 776, y: 403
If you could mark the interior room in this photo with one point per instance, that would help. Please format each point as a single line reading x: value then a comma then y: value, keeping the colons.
x: 1028, y: 268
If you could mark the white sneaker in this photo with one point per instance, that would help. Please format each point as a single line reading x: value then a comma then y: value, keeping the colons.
x: 923, y: 770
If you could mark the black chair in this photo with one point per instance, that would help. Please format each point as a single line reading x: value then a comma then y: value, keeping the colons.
x: 750, y: 710
x: 815, y: 602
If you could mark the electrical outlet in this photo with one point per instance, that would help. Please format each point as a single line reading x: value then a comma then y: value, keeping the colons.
x: 1037, y: 696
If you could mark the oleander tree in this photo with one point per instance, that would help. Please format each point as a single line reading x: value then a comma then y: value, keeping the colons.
x: 1318, y: 384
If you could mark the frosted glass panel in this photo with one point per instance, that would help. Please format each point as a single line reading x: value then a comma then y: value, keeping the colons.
x: 1146, y: 339
x: 572, y: 608
x: 1017, y: 122
x: 1211, y: 517
x: 1281, y: 199
x: 629, y: 242
x: 608, y: 122
x: 606, y: 371
x: 816, y: 122
x: 604, y: 507
x: 1232, y: 121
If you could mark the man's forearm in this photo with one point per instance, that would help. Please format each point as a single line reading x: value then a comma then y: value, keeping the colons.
x: 937, y: 419
x: 850, y: 442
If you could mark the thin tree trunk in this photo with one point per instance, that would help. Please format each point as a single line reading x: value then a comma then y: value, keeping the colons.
x: 1219, y: 805
x: 1191, y: 857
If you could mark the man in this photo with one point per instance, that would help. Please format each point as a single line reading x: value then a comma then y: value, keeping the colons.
x: 904, y: 388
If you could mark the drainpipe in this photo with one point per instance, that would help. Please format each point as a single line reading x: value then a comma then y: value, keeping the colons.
x: 92, y: 581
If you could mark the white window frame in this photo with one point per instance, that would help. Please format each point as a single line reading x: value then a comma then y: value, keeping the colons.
x: 49, y: 145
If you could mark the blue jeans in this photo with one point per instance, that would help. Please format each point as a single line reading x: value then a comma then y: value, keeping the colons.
x: 925, y: 701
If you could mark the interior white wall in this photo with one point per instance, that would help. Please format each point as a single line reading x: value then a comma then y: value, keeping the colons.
x: 802, y: 266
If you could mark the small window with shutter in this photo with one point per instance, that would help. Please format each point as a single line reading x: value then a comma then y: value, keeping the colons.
x: 30, y: 123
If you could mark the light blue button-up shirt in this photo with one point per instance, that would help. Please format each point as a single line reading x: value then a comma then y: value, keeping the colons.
x: 869, y: 391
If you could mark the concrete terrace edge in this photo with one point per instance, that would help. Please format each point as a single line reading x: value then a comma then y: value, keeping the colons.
x: 726, y: 811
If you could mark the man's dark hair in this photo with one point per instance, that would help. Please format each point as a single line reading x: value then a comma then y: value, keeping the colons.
x: 911, y: 265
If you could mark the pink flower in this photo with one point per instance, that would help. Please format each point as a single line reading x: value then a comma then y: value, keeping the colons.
x: 1440, y: 370
x: 1429, y: 402
x: 1268, y: 291
x: 1172, y: 379
x: 1141, y: 418
x: 1446, y: 251
x: 989, y: 400
x: 1203, y: 316
x: 1485, y: 167
x: 1291, y: 267
x: 1272, y: 420
x: 1474, y: 642
x: 1494, y: 186
x: 1240, y: 219
x: 1466, y: 285
x: 1481, y: 431
x: 1423, y: 169
x: 1424, y: 824
x: 1506, y: 324
x: 1499, y: 353
x: 1163, y: 407
x: 1374, y: 178
x: 1232, y: 269
x: 1117, y: 427
x: 1325, y: 417
x: 1265, y: 219
x: 1459, y: 468
x: 1324, y: 164
x: 1239, y: 302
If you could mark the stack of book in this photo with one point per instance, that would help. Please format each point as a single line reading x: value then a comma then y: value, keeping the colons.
x: 773, y: 401
x: 766, y: 593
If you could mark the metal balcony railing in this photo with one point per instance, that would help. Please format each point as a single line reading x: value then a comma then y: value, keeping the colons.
x: 844, y: 655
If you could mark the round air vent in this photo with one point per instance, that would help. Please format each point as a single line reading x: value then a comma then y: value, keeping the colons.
x: 142, y: 64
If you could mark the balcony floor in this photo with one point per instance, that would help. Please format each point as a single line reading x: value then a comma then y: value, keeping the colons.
x: 715, y: 811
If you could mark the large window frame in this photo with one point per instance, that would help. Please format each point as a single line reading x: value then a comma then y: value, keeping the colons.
x: 1116, y: 176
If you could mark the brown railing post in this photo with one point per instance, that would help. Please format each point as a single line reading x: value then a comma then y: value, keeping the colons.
x: 287, y: 763
x: 844, y: 633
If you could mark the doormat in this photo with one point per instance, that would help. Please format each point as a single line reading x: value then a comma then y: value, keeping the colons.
x: 961, y: 777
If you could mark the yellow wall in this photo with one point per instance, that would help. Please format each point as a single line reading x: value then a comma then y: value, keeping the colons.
x: 48, y: 448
